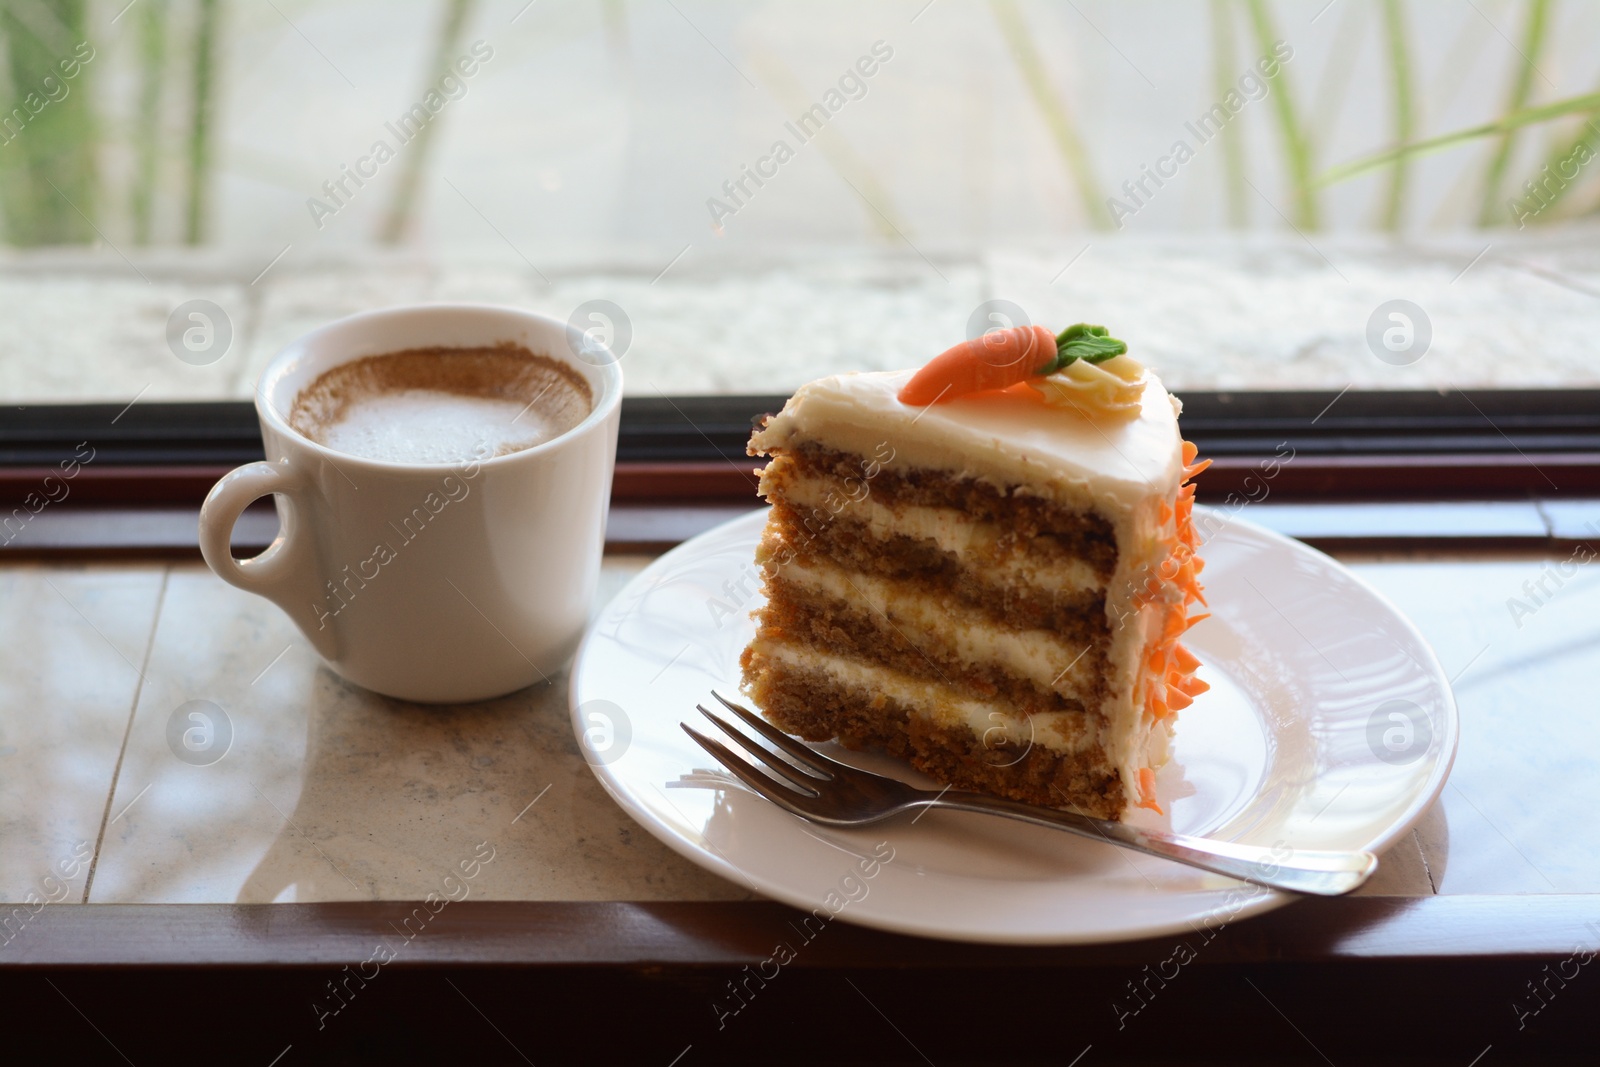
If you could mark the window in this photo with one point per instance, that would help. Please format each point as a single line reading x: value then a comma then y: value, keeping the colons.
x: 748, y: 196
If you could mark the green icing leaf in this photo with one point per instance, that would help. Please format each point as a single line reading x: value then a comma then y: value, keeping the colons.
x: 1091, y: 344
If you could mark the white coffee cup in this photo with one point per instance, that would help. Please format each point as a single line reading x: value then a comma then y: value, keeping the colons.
x: 429, y: 582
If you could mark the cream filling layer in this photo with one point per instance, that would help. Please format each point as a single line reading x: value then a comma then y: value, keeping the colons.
x: 951, y: 529
x: 1037, y: 655
x: 1004, y: 732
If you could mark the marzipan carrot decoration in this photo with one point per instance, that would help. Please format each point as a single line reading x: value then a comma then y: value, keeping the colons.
x: 1002, y: 358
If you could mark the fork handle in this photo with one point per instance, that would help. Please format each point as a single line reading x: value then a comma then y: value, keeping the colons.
x: 1318, y: 872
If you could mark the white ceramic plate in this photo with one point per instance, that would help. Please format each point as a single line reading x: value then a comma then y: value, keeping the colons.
x: 1329, y: 724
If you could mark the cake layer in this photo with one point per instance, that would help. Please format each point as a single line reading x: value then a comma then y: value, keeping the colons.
x: 922, y: 566
x: 946, y: 533
x: 802, y: 696
x: 1050, y: 659
x: 1022, y: 523
x: 1001, y: 727
x: 1033, y: 670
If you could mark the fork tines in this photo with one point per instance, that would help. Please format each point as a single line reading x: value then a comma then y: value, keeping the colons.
x: 786, y: 780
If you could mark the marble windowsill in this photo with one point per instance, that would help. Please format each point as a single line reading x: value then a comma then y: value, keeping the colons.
x: 331, y: 793
x: 326, y: 792
x: 1504, y: 309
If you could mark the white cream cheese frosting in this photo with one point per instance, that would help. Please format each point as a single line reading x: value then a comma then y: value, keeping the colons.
x: 1010, y: 438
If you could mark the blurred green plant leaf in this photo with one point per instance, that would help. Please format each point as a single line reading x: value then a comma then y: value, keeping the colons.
x: 1527, y: 117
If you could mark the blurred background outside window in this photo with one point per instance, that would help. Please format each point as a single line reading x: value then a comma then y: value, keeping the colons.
x: 743, y: 196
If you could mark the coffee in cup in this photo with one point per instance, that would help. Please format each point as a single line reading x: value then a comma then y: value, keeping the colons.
x: 442, y: 405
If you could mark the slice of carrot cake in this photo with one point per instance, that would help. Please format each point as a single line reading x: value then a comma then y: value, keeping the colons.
x: 985, y: 568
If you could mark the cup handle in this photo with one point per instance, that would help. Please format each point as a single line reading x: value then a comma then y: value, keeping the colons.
x: 286, y: 572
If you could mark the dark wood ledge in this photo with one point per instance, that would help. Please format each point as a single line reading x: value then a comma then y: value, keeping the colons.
x: 1362, y: 979
x: 559, y: 934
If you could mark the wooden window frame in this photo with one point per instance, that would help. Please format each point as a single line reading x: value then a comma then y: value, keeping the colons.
x: 681, y: 463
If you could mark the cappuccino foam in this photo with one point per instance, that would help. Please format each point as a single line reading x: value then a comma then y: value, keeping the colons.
x: 442, y: 405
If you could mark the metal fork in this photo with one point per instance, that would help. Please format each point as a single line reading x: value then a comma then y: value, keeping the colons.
x: 826, y: 791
